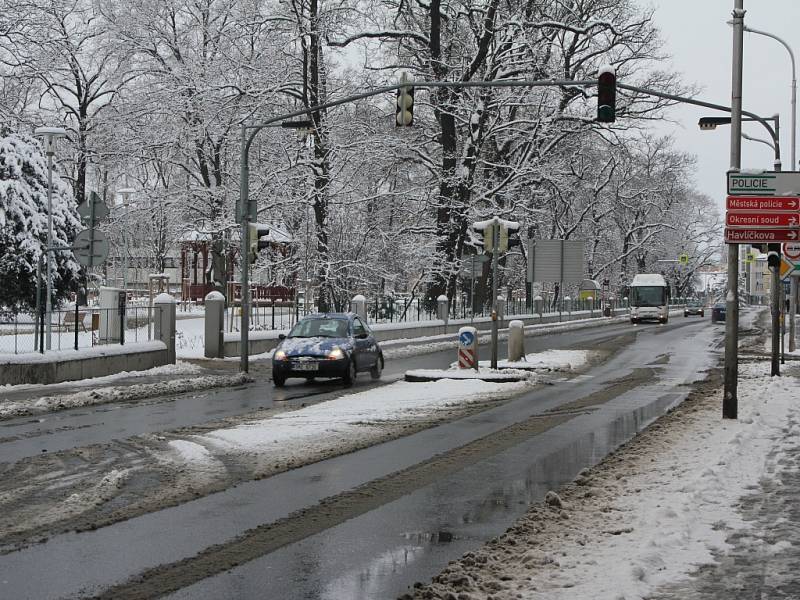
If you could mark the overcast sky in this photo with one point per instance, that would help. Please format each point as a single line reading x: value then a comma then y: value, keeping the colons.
x: 697, y: 36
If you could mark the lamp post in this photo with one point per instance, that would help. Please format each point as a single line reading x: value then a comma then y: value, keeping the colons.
x: 125, y: 193
x: 50, y: 134
x: 794, y: 86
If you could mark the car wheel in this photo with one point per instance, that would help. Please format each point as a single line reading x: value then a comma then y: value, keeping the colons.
x: 685, y: 314
x: 375, y: 372
x: 278, y: 380
x: 349, y: 377
x: 702, y: 314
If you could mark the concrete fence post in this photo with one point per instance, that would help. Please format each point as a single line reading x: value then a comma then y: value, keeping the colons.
x: 516, y: 341
x: 538, y: 305
x: 214, y: 325
x: 568, y: 307
x: 443, y: 310
x: 358, y: 305
x: 165, y: 323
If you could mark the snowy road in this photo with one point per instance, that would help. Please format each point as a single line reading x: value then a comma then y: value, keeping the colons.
x: 435, y: 478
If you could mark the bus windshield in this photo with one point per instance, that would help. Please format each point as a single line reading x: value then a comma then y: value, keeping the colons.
x: 648, y: 295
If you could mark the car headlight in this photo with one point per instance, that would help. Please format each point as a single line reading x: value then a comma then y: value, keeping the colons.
x: 336, y: 354
x: 280, y: 355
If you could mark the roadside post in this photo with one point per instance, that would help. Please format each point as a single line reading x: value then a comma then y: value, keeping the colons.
x: 538, y: 302
x: 443, y: 309
x: 516, y: 341
x: 358, y: 305
x: 468, y: 348
x: 214, y: 325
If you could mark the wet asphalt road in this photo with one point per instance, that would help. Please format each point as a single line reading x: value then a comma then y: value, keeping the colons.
x: 30, y: 436
x: 378, y: 553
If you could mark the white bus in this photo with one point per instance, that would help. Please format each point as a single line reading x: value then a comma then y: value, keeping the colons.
x: 649, y: 298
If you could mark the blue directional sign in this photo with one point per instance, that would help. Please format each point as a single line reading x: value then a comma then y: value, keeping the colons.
x: 466, y: 338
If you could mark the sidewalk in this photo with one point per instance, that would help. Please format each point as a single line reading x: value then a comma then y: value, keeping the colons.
x: 695, y: 507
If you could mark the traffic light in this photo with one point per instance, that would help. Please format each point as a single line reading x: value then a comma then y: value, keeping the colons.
x: 774, y: 256
x: 509, y: 236
x: 404, y: 115
x: 606, y: 94
x: 257, y: 243
x: 485, y: 231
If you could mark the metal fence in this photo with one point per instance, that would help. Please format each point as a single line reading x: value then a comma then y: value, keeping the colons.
x: 85, y: 327
x: 384, y: 310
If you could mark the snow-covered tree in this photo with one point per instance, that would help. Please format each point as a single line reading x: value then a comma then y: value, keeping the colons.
x: 23, y: 222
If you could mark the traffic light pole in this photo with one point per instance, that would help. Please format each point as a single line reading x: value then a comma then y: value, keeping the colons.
x: 244, y: 213
x: 495, y: 253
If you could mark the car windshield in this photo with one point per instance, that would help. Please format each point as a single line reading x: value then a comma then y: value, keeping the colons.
x: 333, y: 328
x: 720, y: 305
x: 694, y: 303
x: 648, y: 295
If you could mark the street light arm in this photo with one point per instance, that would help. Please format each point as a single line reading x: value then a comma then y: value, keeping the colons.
x: 794, y: 86
x: 711, y: 105
x: 755, y: 139
x: 775, y: 37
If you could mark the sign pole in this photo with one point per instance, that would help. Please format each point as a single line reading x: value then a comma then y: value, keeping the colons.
x: 730, y: 400
x: 792, y: 312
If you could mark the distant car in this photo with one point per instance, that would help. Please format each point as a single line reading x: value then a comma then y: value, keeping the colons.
x: 718, y: 312
x: 327, y: 345
x: 693, y: 307
x: 6, y: 316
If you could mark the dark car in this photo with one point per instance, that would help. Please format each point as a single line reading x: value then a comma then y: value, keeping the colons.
x: 693, y: 307
x: 718, y: 312
x: 327, y: 345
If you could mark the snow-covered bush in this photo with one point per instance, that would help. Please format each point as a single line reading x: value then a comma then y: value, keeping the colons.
x: 23, y: 222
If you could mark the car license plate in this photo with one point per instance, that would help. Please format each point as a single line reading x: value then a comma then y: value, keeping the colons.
x: 305, y: 366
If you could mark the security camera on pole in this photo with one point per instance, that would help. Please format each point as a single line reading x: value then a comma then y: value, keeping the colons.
x: 496, y: 239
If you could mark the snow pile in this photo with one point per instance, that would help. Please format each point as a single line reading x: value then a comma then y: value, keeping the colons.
x: 552, y: 360
x: 650, y: 514
x: 485, y: 374
x: 179, y: 368
x: 127, y: 393
x: 356, y: 418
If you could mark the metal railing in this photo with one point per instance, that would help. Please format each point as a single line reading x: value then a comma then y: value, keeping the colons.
x: 73, y: 329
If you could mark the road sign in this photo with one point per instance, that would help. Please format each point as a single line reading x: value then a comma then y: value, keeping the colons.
x: 792, y: 251
x: 466, y: 338
x: 766, y: 183
x: 763, y: 203
x: 735, y: 218
x: 100, y: 208
x: 555, y: 260
x: 788, y: 267
x: 761, y: 236
x: 90, y: 248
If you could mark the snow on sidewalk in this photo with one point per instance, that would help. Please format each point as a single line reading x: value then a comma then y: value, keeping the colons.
x: 649, y: 515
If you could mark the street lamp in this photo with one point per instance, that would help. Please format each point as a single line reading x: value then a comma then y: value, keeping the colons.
x: 125, y: 193
x: 710, y: 123
x: 794, y: 86
x: 50, y: 135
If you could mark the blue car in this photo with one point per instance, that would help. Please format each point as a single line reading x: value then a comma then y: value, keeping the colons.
x: 327, y: 345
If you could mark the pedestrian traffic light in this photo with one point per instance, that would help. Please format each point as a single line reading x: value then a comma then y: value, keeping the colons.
x: 257, y: 243
x: 509, y: 236
x: 606, y: 94
x: 773, y: 260
x: 485, y: 231
x: 404, y: 115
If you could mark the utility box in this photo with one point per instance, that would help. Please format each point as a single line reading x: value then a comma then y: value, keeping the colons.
x: 112, y: 316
